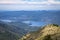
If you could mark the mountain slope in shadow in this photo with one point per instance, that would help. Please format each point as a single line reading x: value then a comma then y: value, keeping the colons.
x: 5, y: 34
x: 10, y: 32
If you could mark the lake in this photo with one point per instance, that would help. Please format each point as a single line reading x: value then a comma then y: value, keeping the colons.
x: 34, y: 23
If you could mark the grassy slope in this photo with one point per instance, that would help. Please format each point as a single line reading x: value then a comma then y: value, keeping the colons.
x: 49, y: 32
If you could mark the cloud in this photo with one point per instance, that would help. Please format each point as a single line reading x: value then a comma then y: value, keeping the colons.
x: 29, y: 5
x: 28, y: 2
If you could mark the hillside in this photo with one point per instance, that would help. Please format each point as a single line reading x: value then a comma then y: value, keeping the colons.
x: 48, y: 32
x: 10, y: 32
x: 18, y: 29
x: 5, y: 34
x: 24, y: 26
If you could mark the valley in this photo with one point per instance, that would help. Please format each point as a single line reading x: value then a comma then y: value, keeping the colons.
x: 16, y: 25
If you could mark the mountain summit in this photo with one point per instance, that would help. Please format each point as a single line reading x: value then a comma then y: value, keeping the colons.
x: 48, y: 32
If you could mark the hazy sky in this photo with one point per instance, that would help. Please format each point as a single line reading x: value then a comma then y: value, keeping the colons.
x: 29, y: 4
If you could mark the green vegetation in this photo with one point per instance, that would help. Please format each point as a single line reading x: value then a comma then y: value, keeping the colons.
x: 10, y: 32
x: 47, y: 37
x: 14, y: 30
x: 56, y: 25
x: 8, y: 36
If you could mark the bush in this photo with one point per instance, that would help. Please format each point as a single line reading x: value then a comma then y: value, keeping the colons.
x: 55, y: 25
x: 48, y: 37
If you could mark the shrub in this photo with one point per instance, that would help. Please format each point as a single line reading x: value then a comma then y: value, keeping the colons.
x: 48, y: 37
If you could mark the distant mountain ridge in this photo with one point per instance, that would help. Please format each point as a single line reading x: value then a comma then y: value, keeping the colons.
x: 48, y: 16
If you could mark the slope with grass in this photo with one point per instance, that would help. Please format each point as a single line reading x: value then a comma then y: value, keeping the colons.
x: 48, y: 32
